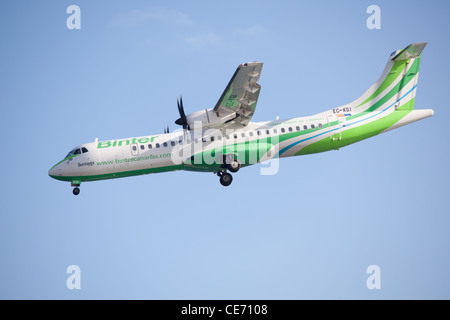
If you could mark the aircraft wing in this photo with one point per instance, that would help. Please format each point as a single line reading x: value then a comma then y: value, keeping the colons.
x: 241, y: 94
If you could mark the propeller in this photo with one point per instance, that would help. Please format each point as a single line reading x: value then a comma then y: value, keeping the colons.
x: 182, y: 120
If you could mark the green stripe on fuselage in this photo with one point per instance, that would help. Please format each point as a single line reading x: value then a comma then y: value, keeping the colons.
x: 121, y: 174
x: 68, y: 158
x: 359, y: 133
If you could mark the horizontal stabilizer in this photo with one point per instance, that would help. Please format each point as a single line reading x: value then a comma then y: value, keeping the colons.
x: 412, y: 51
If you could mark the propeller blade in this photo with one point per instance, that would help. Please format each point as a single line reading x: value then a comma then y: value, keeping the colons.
x: 182, y: 121
x: 182, y: 108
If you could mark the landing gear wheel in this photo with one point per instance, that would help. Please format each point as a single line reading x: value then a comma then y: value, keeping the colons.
x: 226, y: 179
x: 234, y: 166
x: 76, y: 191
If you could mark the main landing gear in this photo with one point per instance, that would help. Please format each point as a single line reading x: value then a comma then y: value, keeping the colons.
x: 225, y: 178
x: 231, y: 164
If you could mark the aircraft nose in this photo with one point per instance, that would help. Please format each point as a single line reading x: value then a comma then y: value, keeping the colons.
x: 55, y: 171
x: 52, y: 171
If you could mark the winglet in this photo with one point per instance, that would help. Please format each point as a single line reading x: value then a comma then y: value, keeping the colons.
x: 412, y: 51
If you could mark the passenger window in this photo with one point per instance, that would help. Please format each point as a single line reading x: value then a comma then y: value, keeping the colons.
x: 157, y: 145
x: 297, y: 128
x: 219, y: 138
x: 84, y: 150
x: 134, y: 148
x: 251, y: 134
x: 320, y: 126
x: 259, y: 133
x: 275, y: 131
x: 228, y: 136
x: 283, y: 130
x: 267, y: 132
x: 149, y: 146
x: 203, y: 140
x: 290, y: 129
x: 78, y: 151
x: 165, y: 144
x: 235, y: 136
x: 196, y: 140
x: 212, y: 138
x: 305, y: 127
x: 172, y: 143
x: 180, y: 141
x: 243, y: 134
x: 142, y: 147
x: 313, y: 126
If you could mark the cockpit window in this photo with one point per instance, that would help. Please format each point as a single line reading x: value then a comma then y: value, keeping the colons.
x: 76, y: 151
x: 69, y: 154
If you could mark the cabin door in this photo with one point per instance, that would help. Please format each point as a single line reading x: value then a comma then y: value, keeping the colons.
x: 335, y: 123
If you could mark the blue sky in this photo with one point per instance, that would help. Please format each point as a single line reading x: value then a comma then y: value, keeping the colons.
x: 309, y: 231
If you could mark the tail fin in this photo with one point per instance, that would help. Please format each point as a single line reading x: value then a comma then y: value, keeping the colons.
x: 396, y: 87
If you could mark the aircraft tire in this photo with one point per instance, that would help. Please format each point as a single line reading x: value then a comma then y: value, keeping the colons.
x: 234, y: 166
x: 226, y: 179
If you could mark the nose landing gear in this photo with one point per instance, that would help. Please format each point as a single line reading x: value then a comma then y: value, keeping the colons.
x: 76, y: 184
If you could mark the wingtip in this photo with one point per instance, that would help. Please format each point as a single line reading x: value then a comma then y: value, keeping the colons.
x: 419, y: 44
x: 250, y: 64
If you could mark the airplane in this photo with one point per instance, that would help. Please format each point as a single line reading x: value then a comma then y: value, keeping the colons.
x: 223, y: 139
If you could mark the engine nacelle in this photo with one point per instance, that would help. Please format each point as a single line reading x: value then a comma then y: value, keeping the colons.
x: 208, y: 118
